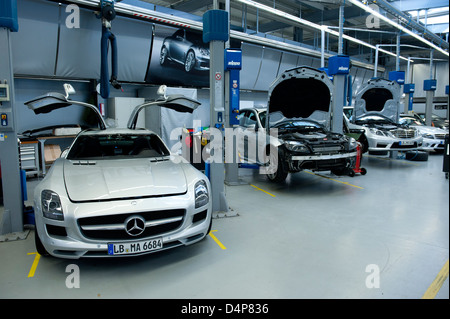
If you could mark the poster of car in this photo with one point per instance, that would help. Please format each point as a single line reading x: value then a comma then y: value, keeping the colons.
x: 179, y: 57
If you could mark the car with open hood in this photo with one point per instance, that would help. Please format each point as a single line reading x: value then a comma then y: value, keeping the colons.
x: 119, y: 191
x: 376, y: 111
x: 292, y: 133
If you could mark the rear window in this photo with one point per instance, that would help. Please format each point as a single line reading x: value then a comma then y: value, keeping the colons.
x: 117, y: 146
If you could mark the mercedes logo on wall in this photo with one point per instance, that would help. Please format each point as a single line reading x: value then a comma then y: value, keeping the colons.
x: 134, y: 225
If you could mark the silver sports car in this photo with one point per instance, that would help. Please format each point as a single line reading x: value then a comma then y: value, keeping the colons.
x: 119, y: 192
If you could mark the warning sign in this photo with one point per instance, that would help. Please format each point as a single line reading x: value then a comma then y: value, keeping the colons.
x: 218, y: 76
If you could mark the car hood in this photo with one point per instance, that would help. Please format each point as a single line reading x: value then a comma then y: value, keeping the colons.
x: 119, y: 179
x: 429, y: 130
x: 379, y: 96
x: 301, y: 92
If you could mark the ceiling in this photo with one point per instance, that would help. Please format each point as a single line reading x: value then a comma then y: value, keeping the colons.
x: 326, y: 12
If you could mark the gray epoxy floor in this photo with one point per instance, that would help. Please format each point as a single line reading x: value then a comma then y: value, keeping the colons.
x: 315, y: 236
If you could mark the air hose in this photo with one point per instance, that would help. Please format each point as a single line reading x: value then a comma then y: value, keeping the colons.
x: 107, y: 14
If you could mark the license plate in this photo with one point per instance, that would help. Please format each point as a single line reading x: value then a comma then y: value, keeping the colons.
x: 135, y: 247
x: 406, y: 143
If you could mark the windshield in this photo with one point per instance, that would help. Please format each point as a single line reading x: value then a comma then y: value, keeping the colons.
x: 373, y: 119
x: 117, y: 146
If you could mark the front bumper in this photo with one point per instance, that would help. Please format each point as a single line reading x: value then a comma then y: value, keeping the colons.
x: 432, y: 145
x: 393, y: 144
x: 65, y: 239
x: 322, y: 157
x: 322, y: 162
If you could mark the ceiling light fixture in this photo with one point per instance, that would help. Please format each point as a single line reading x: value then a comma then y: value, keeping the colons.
x: 396, y: 25
x: 313, y: 25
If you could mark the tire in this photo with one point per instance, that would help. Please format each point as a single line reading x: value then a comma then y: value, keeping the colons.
x: 417, y: 156
x: 280, y: 173
x: 363, y: 171
x: 39, y: 247
x: 163, y: 56
x: 364, y: 143
x: 189, y: 62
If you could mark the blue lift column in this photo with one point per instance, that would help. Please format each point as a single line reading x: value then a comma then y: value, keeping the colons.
x: 429, y: 86
x: 216, y: 33
x: 399, y: 77
x: 12, y: 220
x: 339, y: 68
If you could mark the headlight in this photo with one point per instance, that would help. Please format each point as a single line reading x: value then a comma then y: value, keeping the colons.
x: 376, y: 132
x: 51, y: 205
x: 201, y: 194
x: 296, y: 147
x: 204, y: 51
x: 428, y: 136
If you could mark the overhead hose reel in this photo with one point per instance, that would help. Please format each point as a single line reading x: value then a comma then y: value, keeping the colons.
x: 107, y: 14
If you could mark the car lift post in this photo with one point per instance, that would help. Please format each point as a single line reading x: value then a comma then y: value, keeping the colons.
x: 12, y: 220
x: 339, y: 68
x: 429, y: 86
x: 216, y: 33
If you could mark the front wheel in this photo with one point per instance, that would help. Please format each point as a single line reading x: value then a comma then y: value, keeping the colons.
x: 39, y: 246
x: 276, y: 172
x: 163, y: 56
x: 189, y: 63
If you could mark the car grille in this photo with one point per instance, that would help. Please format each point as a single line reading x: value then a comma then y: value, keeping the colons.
x: 326, y: 149
x: 112, y: 227
x: 440, y: 136
x: 404, y: 133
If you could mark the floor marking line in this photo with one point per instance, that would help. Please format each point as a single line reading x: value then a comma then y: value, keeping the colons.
x: 334, y: 180
x: 34, y: 265
x: 437, y: 283
x: 216, y: 240
x: 262, y: 190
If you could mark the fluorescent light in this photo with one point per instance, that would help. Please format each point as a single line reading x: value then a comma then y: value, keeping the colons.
x: 313, y: 25
x: 398, y: 26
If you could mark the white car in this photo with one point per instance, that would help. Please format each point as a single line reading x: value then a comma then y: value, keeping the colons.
x: 299, y: 111
x: 376, y: 111
x: 119, y: 192
x: 433, y: 137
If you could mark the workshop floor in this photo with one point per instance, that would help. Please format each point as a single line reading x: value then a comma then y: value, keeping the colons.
x: 315, y: 236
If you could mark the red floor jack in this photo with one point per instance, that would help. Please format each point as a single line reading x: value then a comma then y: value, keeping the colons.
x: 358, y: 168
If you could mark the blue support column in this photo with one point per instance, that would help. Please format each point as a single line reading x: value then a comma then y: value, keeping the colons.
x: 216, y: 33
x: 12, y: 220
x: 339, y: 68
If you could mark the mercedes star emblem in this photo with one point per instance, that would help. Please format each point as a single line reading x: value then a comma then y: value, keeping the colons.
x: 134, y: 225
